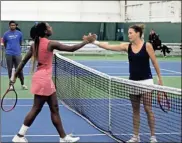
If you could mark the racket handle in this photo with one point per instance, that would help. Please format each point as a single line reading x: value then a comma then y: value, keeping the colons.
x: 12, y: 74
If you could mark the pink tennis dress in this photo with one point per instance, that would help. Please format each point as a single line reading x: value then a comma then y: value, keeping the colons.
x: 42, y: 83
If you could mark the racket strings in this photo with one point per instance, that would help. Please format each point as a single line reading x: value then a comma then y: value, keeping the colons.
x: 9, y: 100
x: 163, y: 101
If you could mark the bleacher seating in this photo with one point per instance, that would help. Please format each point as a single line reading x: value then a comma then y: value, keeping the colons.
x: 93, y: 49
x: 176, y: 49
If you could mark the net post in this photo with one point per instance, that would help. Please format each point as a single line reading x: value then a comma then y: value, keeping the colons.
x: 109, y: 103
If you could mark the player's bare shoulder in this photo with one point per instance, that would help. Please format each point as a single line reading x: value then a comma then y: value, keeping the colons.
x: 124, y: 46
x: 149, y: 45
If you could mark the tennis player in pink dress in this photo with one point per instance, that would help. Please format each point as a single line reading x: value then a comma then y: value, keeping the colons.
x: 42, y: 85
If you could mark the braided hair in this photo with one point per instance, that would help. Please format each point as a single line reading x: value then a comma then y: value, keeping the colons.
x: 36, y: 32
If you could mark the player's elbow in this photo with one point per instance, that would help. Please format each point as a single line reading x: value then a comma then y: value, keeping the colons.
x: 108, y: 47
x: 72, y: 49
x: 155, y: 63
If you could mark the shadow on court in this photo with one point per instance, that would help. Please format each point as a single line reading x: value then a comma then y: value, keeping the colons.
x: 43, y: 130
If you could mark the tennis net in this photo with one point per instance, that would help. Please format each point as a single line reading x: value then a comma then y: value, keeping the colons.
x: 105, y: 102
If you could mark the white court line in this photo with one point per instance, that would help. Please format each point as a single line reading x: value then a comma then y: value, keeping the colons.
x: 28, y: 105
x: 169, y: 70
x: 81, y: 135
x: 33, y: 98
x: 118, y: 67
x: 87, y: 135
x: 25, y: 98
x: 27, y: 66
x: 166, y: 70
x: 102, y: 61
x: 153, y: 76
x: 24, y: 105
x: 121, y: 73
x: 5, y: 73
x: 115, y: 67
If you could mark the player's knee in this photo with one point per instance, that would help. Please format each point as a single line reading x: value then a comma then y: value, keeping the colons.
x: 148, y: 110
x: 136, y: 106
x: 136, y: 111
x: 37, y: 109
x: 54, y: 109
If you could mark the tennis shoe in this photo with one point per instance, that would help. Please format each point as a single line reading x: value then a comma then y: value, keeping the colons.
x: 153, y: 139
x: 24, y: 87
x: 134, y: 139
x: 18, y: 139
x: 69, y: 139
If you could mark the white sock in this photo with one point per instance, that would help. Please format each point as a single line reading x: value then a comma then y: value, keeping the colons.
x: 23, y: 130
x: 64, y: 137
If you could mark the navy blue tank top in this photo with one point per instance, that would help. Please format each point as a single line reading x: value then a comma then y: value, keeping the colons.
x: 139, y: 64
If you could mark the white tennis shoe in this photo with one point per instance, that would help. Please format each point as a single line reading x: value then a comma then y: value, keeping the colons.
x: 24, y: 87
x: 69, y: 139
x: 153, y: 139
x: 18, y: 139
x: 134, y: 139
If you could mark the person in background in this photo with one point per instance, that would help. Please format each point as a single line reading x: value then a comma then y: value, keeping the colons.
x: 153, y: 37
x: 12, y: 40
x: 157, y: 43
x: 17, y: 28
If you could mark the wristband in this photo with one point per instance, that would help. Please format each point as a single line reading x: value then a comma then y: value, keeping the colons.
x: 96, y: 42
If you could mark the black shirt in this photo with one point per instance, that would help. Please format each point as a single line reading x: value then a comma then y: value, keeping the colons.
x: 139, y: 64
x: 18, y: 29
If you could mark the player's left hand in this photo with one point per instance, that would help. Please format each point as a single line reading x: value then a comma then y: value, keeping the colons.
x: 90, y: 37
x: 160, y: 82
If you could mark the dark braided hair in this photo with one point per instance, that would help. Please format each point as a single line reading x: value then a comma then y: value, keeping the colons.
x: 36, y: 32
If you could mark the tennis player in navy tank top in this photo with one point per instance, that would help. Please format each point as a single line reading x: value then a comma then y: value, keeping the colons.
x: 139, y: 64
x: 139, y: 55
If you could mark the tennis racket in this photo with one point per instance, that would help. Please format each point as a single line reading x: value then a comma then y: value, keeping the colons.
x: 9, y: 99
x: 163, y: 101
